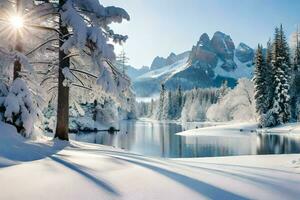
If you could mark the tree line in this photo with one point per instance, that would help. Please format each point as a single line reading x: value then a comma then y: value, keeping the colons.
x: 276, y: 80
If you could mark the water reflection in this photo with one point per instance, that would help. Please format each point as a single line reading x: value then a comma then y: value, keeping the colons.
x: 160, y: 139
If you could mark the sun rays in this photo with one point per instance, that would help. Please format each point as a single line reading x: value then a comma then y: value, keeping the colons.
x: 16, y: 21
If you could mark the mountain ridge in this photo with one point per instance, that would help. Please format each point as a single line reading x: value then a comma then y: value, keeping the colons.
x: 207, y: 64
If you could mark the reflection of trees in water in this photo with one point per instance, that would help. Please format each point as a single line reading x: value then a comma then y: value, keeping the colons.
x: 160, y: 139
x: 277, y: 144
x: 198, y: 149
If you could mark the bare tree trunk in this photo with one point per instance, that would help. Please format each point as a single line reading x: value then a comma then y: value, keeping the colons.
x: 18, y: 44
x: 62, y: 124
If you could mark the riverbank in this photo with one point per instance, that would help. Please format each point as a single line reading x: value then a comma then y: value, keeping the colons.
x: 47, y: 169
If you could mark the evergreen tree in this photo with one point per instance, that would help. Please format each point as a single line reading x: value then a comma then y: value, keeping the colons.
x: 260, y: 83
x: 167, y: 107
x: 269, y: 76
x: 282, y: 75
x: 268, y: 119
x: 161, y: 102
x: 223, y: 90
x: 151, y: 109
x: 177, y: 103
x: 295, y: 85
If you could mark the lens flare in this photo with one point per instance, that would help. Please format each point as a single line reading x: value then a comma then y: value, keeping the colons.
x: 16, y: 21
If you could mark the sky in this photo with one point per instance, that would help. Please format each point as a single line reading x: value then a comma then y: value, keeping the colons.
x: 159, y: 27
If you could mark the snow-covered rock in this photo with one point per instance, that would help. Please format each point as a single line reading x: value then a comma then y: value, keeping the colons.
x: 244, y: 53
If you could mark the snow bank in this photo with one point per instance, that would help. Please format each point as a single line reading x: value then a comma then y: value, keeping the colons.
x: 230, y: 130
x: 290, y: 128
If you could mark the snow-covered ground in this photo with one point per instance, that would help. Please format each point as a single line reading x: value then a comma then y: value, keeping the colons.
x: 47, y: 169
x: 234, y: 129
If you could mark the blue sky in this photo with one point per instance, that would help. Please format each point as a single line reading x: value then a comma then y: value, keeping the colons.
x: 158, y: 27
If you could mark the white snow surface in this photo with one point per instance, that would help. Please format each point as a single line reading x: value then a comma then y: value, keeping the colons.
x: 50, y: 169
x: 242, y: 70
x: 232, y: 129
x: 166, y: 71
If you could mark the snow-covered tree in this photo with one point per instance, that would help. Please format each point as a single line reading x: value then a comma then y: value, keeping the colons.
x: 75, y: 30
x: 197, y: 102
x: 282, y: 76
x: 261, y: 84
x: 19, y: 108
x: 177, y: 103
x: 160, y: 108
x: 295, y: 83
x: 3, y: 94
x: 224, y: 89
x: 237, y: 105
x: 84, y: 29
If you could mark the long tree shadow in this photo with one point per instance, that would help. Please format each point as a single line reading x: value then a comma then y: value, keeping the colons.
x: 200, y: 187
x: 15, y: 149
x: 22, y: 150
x: 241, y: 166
x: 79, y: 170
x: 256, y: 178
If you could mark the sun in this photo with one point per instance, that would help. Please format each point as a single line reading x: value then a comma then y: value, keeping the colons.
x: 16, y: 22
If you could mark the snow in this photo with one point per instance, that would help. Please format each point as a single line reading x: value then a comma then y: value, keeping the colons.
x: 234, y: 129
x: 167, y: 71
x: 60, y: 170
x: 229, y: 130
x: 19, y: 107
x: 153, y: 97
x: 289, y: 128
x: 242, y: 70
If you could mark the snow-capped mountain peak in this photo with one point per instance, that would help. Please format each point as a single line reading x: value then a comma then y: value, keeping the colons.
x: 208, y: 64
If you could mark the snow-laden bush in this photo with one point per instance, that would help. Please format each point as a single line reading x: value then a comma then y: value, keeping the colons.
x: 107, y: 112
x: 18, y: 107
x: 3, y: 95
x: 196, y: 104
x: 237, y: 105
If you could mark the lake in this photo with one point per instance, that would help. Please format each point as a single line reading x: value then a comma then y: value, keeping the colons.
x: 159, y: 139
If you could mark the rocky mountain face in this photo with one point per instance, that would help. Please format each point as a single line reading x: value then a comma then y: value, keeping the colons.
x: 208, y: 64
x: 209, y: 51
x: 160, y: 62
x: 244, y: 53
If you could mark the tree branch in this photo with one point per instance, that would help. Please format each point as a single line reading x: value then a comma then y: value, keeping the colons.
x: 76, y: 85
x: 39, y: 46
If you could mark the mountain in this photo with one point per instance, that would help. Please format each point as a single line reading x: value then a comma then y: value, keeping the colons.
x: 160, y: 62
x: 134, y: 72
x: 207, y: 64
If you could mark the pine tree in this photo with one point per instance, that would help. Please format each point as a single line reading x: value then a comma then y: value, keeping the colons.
x: 282, y: 75
x: 167, y: 107
x: 177, y: 107
x: 161, y: 102
x: 268, y: 118
x: 260, y: 83
x: 295, y: 83
x: 223, y: 90
x: 269, y: 76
